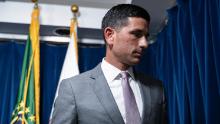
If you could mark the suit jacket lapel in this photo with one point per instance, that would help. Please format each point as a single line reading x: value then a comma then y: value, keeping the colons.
x: 105, y: 96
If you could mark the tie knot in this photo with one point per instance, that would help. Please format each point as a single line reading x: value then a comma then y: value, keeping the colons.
x: 124, y: 74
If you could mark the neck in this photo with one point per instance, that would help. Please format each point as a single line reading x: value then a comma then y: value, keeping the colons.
x: 121, y: 66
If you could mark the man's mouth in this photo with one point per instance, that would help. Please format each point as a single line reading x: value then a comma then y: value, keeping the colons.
x: 138, y: 54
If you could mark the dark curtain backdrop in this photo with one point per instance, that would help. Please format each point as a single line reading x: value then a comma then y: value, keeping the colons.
x: 187, y: 59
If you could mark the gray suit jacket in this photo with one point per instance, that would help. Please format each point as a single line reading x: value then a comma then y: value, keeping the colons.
x: 87, y: 99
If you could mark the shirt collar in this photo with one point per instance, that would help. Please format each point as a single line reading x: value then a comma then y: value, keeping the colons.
x: 111, y: 72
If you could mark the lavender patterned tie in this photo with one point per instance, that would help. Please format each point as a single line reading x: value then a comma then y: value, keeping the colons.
x: 131, y: 109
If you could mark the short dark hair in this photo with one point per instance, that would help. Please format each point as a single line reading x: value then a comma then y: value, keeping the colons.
x: 118, y: 15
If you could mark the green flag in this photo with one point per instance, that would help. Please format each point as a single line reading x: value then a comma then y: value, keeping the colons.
x: 26, y: 110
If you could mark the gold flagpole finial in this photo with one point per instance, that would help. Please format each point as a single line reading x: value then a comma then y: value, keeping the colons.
x: 74, y: 9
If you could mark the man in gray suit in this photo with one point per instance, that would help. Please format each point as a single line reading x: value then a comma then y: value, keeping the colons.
x: 113, y: 92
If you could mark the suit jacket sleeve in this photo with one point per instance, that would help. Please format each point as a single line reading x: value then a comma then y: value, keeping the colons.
x: 65, y: 107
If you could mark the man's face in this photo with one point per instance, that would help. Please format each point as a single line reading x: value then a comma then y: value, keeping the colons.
x: 130, y: 41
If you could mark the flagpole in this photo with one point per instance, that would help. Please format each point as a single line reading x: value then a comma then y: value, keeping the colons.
x: 28, y: 73
x: 74, y: 9
x: 35, y: 36
x: 73, y: 27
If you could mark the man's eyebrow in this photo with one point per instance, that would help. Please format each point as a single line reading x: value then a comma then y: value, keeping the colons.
x: 139, y: 31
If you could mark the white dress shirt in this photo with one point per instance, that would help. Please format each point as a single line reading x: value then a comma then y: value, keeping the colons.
x: 113, y: 78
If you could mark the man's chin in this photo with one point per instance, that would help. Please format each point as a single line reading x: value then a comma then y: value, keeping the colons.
x: 135, y: 61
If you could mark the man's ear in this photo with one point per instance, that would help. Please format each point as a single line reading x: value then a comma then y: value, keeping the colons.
x: 109, y: 35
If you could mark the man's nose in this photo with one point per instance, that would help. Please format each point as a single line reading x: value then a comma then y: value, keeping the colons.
x: 143, y: 43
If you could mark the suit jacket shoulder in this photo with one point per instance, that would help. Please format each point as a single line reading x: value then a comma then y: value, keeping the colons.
x: 86, y: 99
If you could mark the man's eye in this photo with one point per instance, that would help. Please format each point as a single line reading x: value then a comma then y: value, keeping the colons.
x: 138, y: 35
x: 147, y: 36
